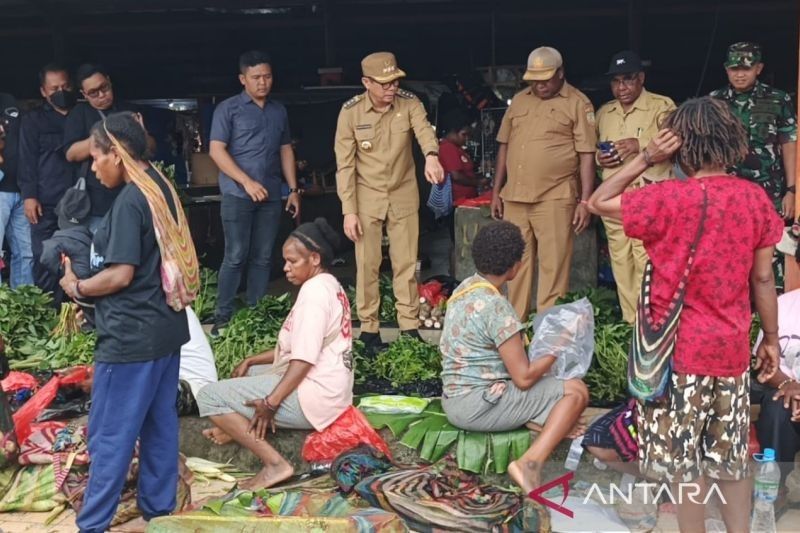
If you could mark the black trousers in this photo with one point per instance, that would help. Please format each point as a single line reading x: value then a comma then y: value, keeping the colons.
x: 775, y: 428
x: 40, y: 232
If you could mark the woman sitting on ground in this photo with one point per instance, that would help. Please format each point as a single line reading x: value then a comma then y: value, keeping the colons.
x: 310, y: 381
x: 489, y: 384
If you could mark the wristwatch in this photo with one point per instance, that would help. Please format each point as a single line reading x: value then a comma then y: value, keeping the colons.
x: 294, y: 189
x: 435, y: 154
x: 792, y: 189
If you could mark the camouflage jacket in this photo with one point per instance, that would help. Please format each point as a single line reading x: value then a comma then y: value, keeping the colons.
x: 769, y: 118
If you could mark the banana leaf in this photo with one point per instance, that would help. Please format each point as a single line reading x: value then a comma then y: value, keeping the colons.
x: 447, y: 436
x: 397, y: 424
x: 501, y: 448
x: 471, y: 452
x: 434, y: 422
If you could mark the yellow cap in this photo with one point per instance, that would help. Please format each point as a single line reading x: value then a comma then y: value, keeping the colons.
x: 542, y: 64
x: 381, y: 67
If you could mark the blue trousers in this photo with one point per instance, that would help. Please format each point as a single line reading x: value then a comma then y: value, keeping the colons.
x: 132, y: 401
x: 250, y: 230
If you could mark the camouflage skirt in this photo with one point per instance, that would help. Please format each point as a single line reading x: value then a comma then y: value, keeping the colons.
x: 702, y: 429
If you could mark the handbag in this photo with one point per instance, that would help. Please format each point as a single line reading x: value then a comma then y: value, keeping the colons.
x: 440, y: 199
x: 653, y: 344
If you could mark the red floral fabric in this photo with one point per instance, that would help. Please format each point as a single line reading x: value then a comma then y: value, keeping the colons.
x: 714, y: 325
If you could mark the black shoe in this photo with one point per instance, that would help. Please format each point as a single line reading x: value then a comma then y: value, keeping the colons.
x: 413, y: 333
x: 219, y: 325
x: 373, y: 344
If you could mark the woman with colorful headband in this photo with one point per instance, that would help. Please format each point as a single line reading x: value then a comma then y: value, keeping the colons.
x: 149, y: 273
x: 310, y: 380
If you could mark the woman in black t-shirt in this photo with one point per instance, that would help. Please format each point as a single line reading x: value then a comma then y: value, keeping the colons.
x: 139, y: 334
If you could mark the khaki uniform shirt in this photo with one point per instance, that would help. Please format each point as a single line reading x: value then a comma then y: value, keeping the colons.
x: 544, y: 138
x: 375, y: 166
x: 641, y: 122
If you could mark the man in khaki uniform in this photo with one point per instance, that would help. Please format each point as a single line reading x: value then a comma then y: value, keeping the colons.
x: 547, y: 140
x: 627, y: 124
x: 377, y: 184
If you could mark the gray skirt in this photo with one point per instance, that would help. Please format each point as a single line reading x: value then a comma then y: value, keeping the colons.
x: 513, y: 409
x: 228, y: 396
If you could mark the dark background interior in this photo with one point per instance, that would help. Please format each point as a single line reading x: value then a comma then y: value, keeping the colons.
x: 180, y: 48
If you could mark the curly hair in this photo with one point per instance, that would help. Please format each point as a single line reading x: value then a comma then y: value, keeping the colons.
x: 712, y: 136
x: 497, y: 247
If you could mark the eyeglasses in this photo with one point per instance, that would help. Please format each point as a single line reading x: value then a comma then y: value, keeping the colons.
x: 386, y: 86
x: 628, y: 81
x: 103, y: 89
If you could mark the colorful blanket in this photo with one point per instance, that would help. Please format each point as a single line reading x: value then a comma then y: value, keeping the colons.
x: 442, y: 497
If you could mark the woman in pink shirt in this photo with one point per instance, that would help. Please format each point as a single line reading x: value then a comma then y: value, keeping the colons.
x: 310, y: 378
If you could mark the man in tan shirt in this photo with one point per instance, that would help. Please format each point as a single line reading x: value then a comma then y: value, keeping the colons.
x: 377, y: 184
x: 626, y: 124
x: 547, y: 140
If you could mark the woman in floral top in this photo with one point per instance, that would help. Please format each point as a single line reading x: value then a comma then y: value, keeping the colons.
x: 489, y: 384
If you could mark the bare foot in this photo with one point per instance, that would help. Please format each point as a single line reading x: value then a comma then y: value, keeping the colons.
x: 217, y: 436
x: 577, y: 431
x: 137, y: 525
x: 268, y: 476
x: 526, y: 474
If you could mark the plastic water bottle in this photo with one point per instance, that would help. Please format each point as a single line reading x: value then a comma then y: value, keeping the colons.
x: 574, y: 455
x: 768, y: 479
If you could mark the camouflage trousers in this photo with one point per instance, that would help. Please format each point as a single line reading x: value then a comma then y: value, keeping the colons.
x: 701, y: 429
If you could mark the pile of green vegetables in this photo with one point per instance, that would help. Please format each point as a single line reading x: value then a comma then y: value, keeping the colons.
x: 387, y: 313
x: 251, y: 330
x: 206, y: 301
x: 408, y: 366
x: 36, y: 337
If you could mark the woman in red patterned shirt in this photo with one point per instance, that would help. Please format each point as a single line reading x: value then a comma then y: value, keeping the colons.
x: 699, y: 435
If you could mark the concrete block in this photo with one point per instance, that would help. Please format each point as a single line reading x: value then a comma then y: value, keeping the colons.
x: 583, y: 272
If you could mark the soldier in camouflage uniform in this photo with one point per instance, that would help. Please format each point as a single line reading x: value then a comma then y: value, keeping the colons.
x: 769, y: 118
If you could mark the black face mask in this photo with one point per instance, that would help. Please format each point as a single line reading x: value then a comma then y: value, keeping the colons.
x: 64, y: 99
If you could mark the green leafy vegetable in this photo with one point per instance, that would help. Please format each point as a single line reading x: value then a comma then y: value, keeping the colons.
x: 26, y: 318
x: 206, y: 302
x: 408, y: 360
x: 250, y: 331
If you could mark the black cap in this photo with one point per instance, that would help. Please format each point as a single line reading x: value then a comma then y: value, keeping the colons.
x: 625, y: 62
x: 73, y: 208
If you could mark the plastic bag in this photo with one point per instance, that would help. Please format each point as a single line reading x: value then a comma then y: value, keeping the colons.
x: 566, y: 331
x: 393, y: 405
x: 440, y: 199
x: 39, y: 402
x: 349, y: 431
x: 18, y: 380
x: 432, y: 292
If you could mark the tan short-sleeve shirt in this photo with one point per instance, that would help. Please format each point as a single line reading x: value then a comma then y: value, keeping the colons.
x: 544, y: 139
x: 375, y: 165
x: 641, y: 122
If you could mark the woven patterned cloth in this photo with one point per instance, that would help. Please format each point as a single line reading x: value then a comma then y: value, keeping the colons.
x: 442, y: 497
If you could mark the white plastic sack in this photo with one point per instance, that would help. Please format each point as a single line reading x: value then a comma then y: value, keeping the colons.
x: 566, y: 331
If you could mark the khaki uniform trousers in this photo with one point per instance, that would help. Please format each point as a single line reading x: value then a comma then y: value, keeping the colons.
x: 628, y: 259
x: 403, y: 235
x: 547, y: 229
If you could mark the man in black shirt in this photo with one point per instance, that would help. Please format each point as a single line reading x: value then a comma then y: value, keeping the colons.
x: 13, y: 225
x: 44, y: 173
x: 95, y: 86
